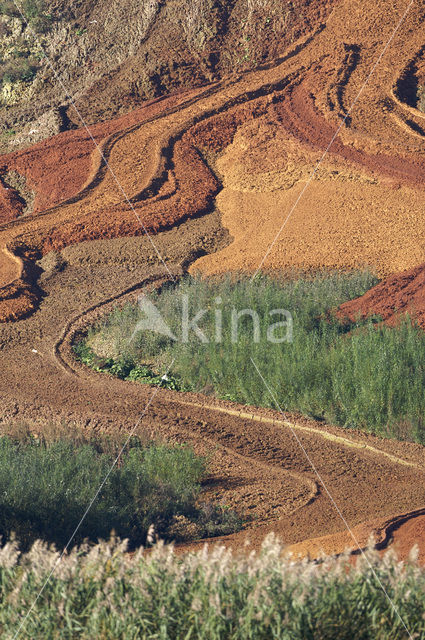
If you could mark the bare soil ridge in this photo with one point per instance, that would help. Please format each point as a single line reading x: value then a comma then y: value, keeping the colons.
x: 391, y: 299
x: 158, y: 156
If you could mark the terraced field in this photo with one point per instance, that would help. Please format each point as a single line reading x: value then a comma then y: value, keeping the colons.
x: 222, y: 177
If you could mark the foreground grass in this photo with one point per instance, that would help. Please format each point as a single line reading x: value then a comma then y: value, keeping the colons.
x: 45, y: 488
x: 105, y: 593
x: 364, y: 375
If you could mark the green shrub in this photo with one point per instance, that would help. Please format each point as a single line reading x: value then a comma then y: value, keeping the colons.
x: 41, y: 23
x: 45, y: 489
x: 208, y: 595
x: 125, y: 368
x: 360, y: 375
x: 30, y: 8
x: 17, y: 69
x: 4, y: 29
x: 33, y: 8
x: 8, y: 133
x: 8, y: 8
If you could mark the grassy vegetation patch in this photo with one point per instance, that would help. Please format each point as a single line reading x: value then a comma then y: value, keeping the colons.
x: 46, y: 487
x: 104, y: 593
x: 17, y: 69
x: 34, y: 11
x: 363, y: 375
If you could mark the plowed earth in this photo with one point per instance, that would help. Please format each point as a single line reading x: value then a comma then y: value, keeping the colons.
x: 252, y: 141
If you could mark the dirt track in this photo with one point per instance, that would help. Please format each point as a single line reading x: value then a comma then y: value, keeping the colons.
x: 278, y: 120
x: 257, y: 465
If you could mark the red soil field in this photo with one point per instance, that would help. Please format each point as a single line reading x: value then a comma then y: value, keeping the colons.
x: 157, y: 154
x: 246, y: 145
x: 391, y: 299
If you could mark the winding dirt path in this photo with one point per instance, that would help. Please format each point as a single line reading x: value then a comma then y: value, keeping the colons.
x: 256, y: 463
x: 278, y: 120
x: 284, y: 470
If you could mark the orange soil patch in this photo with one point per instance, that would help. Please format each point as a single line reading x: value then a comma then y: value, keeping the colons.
x: 401, y: 535
x: 399, y: 294
x: 345, y: 220
x: 10, y: 205
x: 408, y: 534
x: 364, y: 206
x: 57, y: 168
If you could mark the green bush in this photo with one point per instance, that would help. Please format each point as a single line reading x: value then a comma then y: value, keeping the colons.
x: 33, y: 8
x: 208, y: 595
x: 124, y: 368
x: 45, y: 489
x: 17, y: 69
x: 363, y: 375
x: 30, y: 8
x: 8, y: 8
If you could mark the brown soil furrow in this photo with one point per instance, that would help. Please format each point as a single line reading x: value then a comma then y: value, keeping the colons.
x: 262, y: 132
x: 367, y: 478
x: 333, y: 543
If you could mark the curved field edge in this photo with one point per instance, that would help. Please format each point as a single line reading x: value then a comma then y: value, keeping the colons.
x: 278, y: 91
x: 313, y: 363
x: 407, y: 456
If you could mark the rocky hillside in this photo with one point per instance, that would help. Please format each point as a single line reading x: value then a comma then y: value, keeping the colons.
x: 108, y: 57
